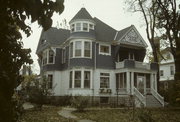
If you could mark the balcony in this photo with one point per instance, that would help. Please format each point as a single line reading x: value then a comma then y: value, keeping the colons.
x: 136, y: 64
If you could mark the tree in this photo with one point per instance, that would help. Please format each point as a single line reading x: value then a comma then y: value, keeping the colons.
x: 169, y: 23
x: 12, y: 55
x: 149, y: 10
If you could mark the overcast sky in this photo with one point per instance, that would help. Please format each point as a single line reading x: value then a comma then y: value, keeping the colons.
x: 112, y: 12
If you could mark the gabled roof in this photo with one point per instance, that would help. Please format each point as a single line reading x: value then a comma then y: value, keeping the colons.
x: 53, y: 37
x: 82, y: 14
x: 130, y: 36
x: 103, y: 31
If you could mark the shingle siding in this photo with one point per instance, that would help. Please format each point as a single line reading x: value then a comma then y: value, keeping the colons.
x: 105, y: 61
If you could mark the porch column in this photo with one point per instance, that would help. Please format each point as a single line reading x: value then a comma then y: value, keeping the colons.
x: 82, y: 78
x: 73, y: 79
x: 132, y: 83
x: 155, y: 82
x: 128, y: 82
x: 151, y: 81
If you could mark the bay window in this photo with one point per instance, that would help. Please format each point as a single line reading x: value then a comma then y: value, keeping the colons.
x: 82, y: 26
x: 78, y: 26
x: 80, y: 79
x: 81, y: 48
x: 48, y: 57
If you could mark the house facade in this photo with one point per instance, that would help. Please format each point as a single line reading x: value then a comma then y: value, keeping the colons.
x: 93, y: 59
x: 167, y: 69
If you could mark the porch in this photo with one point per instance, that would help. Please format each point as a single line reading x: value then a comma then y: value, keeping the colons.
x: 137, y: 79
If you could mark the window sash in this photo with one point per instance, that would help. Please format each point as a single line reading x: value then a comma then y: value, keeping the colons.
x: 51, y: 56
x: 70, y: 79
x: 87, y: 79
x: 104, y: 80
x: 78, y: 26
x: 87, y: 49
x: 85, y: 26
x: 104, y: 49
x: 77, y: 79
x: 50, y: 81
x: 71, y: 49
x: 78, y: 46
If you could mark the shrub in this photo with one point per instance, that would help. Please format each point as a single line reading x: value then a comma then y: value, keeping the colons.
x: 80, y: 103
x: 145, y: 116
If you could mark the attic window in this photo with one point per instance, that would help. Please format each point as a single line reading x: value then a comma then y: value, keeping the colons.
x: 43, y: 41
x: 85, y: 27
x: 104, y: 49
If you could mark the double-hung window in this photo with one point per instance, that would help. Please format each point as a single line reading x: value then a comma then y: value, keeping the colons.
x: 172, y: 70
x: 87, y: 49
x: 51, y: 56
x: 78, y: 26
x: 63, y: 55
x: 104, y: 49
x: 104, y: 80
x: 78, y: 46
x: 161, y: 73
x: 87, y: 79
x: 77, y: 79
x: 85, y: 26
x: 44, y: 58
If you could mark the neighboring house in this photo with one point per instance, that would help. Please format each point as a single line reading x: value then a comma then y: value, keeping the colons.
x: 93, y: 59
x: 167, y: 68
x: 25, y: 70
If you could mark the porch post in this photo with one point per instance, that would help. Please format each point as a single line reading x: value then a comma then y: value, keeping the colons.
x: 73, y: 79
x: 155, y: 82
x: 151, y: 81
x: 82, y: 78
x: 128, y: 82
x: 132, y: 83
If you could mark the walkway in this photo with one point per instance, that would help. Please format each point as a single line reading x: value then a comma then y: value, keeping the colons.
x: 67, y: 113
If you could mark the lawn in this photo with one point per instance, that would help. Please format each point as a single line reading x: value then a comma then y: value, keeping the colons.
x: 126, y: 115
x: 47, y: 114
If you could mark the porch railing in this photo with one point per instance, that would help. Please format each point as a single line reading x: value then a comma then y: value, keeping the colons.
x: 157, y: 96
x: 140, y: 96
x: 120, y: 64
x: 142, y: 65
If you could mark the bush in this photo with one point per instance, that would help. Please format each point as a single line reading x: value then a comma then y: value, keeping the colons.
x: 80, y: 103
x: 145, y: 116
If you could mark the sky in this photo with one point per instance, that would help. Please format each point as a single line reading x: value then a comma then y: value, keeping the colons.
x: 113, y: 12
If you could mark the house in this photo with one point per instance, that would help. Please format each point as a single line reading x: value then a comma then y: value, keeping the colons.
x: 167, y: 69
x: 93, y: 59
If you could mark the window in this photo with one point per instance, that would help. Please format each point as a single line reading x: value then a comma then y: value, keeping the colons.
x: 86, y: 79
x: 50, y: 81
x: 82, y: 49
x: 72, y: 27
x: 70, y: 79
x: 104, y: 80
x: 104, y: 49
x: 71, y: 49
x: 48, y: 57
x: 85, y: 27
x: 91, y: 26
x: 77, y: 79
x: 78, y: 26
x: 44, y: 58
x: 78, y: 45
x: 82, y: 26
x: 172, y: 70
x: 63, y: 55
x: 161, y: 73
x: 87, y: 49
x: 51, y: 56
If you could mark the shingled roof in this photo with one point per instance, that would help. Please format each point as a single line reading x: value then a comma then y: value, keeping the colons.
x: 103, y: 31
x: 82, y: 14
x: 53, y: 36
x: 122, y: 32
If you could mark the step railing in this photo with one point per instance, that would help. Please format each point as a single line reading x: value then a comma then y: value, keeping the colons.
x: 157, y: 96
x: 140, y: 96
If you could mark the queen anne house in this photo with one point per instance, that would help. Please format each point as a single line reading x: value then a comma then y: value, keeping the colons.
x: 93, y: 59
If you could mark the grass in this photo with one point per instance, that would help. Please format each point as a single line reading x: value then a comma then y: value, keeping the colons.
x: 47, y: 114
x: 126, y: 115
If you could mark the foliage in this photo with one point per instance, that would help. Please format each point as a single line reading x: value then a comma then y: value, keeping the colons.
x: 80, y: 103
x: 145, y: 116
x: 12, y: 55
x: 38, y: 91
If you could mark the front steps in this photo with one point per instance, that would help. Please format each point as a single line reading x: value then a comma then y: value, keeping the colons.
x: 151, y: 101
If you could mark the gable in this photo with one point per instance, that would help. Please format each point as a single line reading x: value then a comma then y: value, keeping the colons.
x: 132, y: 37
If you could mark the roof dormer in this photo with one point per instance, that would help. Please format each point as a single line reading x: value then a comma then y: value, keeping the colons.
x: 82, y: 22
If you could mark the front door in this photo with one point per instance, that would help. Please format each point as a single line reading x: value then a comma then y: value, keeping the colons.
x: 140, y: 84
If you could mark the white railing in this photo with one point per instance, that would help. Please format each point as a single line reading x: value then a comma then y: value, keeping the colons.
x: 142, y: 65
x: 120, y: 64
x: 140, y: 96
x: 157, y: 96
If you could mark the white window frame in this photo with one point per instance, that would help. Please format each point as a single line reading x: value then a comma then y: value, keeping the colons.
x: 161, y: 73
x: 105, y: 77
x: 74, y: 25
x: 47, y: 54
x: 82, y: 79
x: 172, y: 70
x: 49, y: 81
x: 82, y: 49
x: 64, y: 55
x: 102, y: 53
